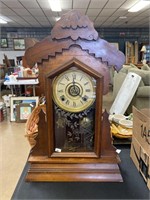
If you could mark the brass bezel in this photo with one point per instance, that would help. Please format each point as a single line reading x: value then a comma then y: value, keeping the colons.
x: 62, y: 106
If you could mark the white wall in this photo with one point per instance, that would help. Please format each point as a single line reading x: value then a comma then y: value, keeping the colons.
x: 10, y: 55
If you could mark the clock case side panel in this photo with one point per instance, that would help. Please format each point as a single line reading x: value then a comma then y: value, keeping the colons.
x: 41, y: 146
x: 98, y: 113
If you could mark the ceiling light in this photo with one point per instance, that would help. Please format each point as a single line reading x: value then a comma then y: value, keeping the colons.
x: 55, y: 5
x: 2, y: 21
x: 139, y: 6
x: 122, y: 17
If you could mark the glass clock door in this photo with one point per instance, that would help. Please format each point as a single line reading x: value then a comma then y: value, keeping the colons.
x: 74, y: 94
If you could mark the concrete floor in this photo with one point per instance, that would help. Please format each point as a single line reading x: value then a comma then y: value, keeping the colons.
x: 14, y: 152
x: 14, y: 149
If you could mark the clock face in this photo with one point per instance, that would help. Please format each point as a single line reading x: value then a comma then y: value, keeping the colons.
x: 74, y: 90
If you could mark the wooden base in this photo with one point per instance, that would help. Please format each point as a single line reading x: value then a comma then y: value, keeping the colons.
x: 74, y: 173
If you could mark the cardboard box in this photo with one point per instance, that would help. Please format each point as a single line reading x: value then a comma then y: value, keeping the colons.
x: 140, y: 146
x: 135, y: 152
x: 141, y: 127
x: 141, y: 160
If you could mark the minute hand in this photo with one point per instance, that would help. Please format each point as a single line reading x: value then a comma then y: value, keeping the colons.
x: 73, y: 82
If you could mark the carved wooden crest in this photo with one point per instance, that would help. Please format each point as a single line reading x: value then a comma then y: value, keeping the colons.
x: 75, y: 29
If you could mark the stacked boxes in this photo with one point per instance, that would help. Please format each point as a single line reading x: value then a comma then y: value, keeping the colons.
x: 140, y: 146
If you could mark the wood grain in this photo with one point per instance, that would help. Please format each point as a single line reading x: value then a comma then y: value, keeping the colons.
x: 73, y: 43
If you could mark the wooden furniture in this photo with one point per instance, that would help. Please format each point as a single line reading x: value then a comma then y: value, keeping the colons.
x: 70, y: 136
x: 131, y: 49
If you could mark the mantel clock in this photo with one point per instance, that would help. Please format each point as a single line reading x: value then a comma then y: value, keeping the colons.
x: 70, y: 133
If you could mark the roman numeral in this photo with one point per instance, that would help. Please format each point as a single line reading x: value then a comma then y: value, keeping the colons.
x: 60, y: 90
x: 61, y: 83
x: 67, y: 78
x: 67, y: 102
x: 74, y: 104
x: 74, y: 76
x: 86, y: 83
x: 81, y: 101
x: 81, y: 78
x: 88, y: 90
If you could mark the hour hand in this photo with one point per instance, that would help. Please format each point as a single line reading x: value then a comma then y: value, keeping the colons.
x: 73, y: 82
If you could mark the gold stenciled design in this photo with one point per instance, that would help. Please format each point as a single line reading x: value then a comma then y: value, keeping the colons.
x: 60, y: 122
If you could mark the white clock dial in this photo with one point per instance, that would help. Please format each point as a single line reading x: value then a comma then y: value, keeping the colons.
x: 74, y: 90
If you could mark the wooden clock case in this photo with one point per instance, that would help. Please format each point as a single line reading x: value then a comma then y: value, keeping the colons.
x: 73, y: 43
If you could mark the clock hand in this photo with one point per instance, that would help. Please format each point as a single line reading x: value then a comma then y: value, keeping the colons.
x: 75, y: 87
x: 73, y: 82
